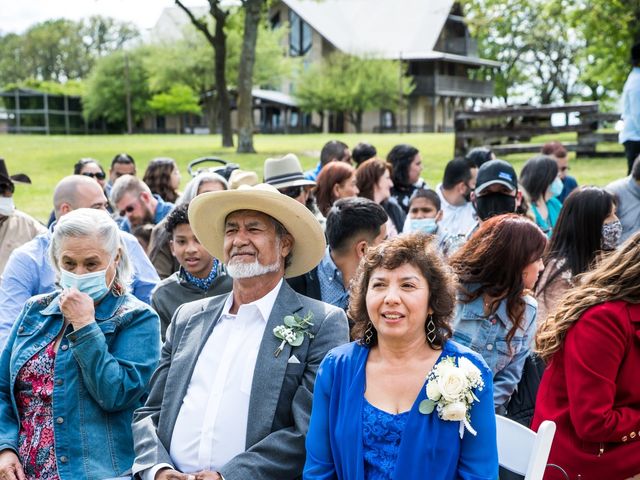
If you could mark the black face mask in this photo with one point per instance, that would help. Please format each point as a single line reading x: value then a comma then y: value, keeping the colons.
x: 493, y: 204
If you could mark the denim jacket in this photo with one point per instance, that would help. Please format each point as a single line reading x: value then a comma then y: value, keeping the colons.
x: 101, y: 373
x: 488, y: 337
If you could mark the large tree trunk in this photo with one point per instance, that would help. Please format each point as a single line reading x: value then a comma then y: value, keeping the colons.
x: 224, y: 103
x: 219, y: 43
x: 253, y: 11
x: 212, y: 113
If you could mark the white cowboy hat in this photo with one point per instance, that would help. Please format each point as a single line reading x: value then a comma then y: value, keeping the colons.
x: 208, y: 212
x: 285, y: 172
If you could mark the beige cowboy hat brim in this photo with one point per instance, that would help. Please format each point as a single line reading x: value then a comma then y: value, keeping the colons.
x: 208, y: 212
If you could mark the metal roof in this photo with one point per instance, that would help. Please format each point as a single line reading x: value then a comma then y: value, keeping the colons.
x: 275, y: 97
x: 393, y: 29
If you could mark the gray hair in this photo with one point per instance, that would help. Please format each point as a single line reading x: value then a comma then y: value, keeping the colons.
x: 191, y: 190
x: 127, y: 184
x: 89, y: 222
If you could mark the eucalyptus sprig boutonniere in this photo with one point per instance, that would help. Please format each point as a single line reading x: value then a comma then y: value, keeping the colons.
x: 293, y: 331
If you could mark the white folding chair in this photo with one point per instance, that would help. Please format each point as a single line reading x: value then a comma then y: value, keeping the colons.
x: 524, y: 451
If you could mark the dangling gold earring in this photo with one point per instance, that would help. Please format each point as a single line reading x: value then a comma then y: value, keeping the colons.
x: 368, y: 333
x: 431, y: 330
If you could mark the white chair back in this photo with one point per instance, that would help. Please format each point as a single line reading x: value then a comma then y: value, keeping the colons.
x: 524, y: 451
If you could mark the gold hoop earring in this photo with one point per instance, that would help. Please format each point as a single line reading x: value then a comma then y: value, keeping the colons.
x: 431, y: 330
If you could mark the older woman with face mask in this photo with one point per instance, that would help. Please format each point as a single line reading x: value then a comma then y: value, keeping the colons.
x: 77, y: 362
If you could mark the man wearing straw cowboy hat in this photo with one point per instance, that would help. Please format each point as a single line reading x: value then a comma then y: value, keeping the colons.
x: 231, y: 397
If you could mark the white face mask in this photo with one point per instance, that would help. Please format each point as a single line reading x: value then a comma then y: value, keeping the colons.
x: 6, y: 206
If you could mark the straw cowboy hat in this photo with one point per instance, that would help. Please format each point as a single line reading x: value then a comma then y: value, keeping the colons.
x: 10, y: 180
x: 242, y: 177
x: 285, y: 172
x: 208, y: 212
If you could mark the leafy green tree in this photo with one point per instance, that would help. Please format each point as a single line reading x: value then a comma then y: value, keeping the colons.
x: 188, y: 61
x: 353, y: 85
x: 178, y: 100
x: 108, y: 84
x: 103, y: 35
x: 12, y: 69
x: 609, y: 29
x: 54, y: 50
x: 218, y: 41
x: 60, y: 50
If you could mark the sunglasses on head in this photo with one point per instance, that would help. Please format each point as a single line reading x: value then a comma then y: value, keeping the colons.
x: 99, y: 175
x: 293, y: 192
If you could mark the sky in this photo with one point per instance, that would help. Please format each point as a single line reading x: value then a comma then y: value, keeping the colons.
x: 17, y: 15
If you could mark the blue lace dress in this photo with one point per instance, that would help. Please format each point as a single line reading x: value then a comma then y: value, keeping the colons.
x: 381, y: 436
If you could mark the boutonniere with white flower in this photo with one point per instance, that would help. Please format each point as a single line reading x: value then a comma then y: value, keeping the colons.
x: 293, y: 331
x: 450, y: 391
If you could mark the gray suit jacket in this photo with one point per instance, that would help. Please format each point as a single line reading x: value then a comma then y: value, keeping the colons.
x: 281, y: 393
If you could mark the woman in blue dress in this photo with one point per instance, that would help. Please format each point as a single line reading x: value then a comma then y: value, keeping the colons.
x: 373, y: 415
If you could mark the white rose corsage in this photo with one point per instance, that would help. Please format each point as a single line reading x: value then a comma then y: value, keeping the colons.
x: 450, y: 391
x: 293, y: 331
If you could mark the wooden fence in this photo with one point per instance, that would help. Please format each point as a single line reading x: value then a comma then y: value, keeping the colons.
x: 509, y: 130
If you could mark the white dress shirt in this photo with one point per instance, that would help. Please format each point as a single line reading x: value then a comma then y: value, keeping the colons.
x: 211, y: 427
x: 457, y: 220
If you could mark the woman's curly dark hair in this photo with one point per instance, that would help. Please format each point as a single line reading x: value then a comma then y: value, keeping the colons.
x: 158, y: 177
x: 417, y: 250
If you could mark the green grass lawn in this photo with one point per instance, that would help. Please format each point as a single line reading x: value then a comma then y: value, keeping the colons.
x: 46, y: 159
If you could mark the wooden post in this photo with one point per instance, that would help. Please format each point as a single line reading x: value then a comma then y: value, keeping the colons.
x: 17, y: 99
x: 67, y: 128
x: 46, y: 113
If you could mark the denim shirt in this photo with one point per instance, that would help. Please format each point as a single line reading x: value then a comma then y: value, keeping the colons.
x: 29, y: 272
x: 488, y: 337
x: 101, y: 374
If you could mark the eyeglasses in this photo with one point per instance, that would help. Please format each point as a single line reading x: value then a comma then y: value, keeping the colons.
x: 99, y: 175
x: 126, y: 210
x: 293, y: 192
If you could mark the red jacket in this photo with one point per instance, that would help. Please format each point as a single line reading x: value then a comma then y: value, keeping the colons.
x: 591, y: 389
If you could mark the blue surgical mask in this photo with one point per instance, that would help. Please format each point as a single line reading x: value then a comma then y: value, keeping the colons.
x: 93, y: 284
x: 556, y: 187
x: 424, y: 225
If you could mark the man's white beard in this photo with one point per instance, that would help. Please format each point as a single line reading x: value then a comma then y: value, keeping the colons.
x: 250, y: 270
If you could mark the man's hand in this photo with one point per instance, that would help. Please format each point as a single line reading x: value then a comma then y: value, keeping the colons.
x: 77, y: 308
x: 204, y: 475
x: 10, y: 467
x: 170, y: 474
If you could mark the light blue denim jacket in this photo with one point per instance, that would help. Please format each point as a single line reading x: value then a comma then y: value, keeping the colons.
x: 101, y: 374
x: 487, y: 336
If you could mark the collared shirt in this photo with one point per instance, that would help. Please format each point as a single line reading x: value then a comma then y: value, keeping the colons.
x: 162, y: 210
x: 313, y: 174
x: 457, y: 220
x: 28, y: 273
x: 211, y: 426
x: 17, y: 229
x: 631, y: 107
x: 332, y: 289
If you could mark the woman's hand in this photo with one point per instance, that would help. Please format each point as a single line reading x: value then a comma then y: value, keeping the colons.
x: 10, y: 467
x: 77, y: 308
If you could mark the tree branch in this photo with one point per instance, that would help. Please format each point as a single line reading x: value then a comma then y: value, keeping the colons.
x: 199, y: 24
